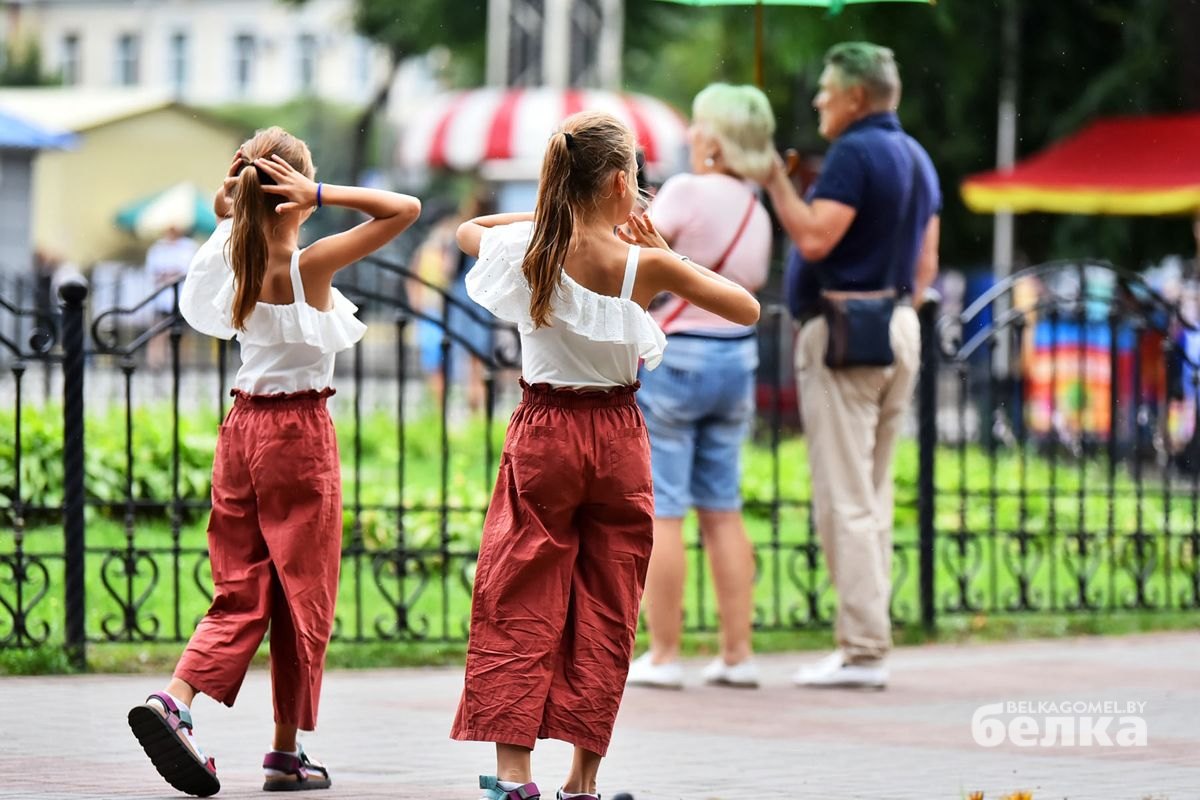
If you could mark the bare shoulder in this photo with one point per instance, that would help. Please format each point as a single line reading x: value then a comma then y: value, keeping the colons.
x: 657, y: 260
x: 658, y: 270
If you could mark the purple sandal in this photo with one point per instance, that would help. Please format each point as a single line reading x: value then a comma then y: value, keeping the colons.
x: 492, y: 791
x: 301, y: 773
x: 158, y: 727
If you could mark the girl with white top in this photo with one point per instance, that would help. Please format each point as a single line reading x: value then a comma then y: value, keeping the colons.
x: 569, y: 529
x: 275, y: 531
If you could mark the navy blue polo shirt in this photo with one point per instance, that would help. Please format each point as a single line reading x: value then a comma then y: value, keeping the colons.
x: 869, y: 168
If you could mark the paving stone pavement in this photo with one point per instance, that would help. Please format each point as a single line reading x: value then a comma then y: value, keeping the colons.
x: 384, y: 732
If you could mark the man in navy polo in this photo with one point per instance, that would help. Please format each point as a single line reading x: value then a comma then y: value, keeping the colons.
x: 871, y: 222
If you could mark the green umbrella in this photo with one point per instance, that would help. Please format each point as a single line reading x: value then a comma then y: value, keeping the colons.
x: 182, y: 206
x: 834, y: 6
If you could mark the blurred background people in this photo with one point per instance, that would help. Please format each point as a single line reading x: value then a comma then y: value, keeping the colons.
x: 167, y: 261
x: 699, y: 406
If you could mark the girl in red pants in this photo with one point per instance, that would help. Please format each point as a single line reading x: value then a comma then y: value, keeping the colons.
x: 568, y: 533
x: 275, y: 532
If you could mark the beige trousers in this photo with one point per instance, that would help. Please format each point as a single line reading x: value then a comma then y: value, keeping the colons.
x: 852, y: 418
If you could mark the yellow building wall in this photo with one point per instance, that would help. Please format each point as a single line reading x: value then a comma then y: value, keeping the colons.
x: 77, y: 193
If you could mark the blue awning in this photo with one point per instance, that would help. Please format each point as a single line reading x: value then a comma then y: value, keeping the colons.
x: 16, y: 133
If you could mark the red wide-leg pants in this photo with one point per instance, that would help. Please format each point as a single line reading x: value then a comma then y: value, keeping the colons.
x: 274, y: 539
x: 561, y: 569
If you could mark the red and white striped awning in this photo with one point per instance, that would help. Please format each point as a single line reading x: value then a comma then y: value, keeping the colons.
x: 506, y: 130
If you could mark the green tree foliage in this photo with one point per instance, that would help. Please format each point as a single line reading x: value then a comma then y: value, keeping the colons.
x: 22, y: 66
x: 412, y: 27
x: 408, y: 28
x: 1079, y: 60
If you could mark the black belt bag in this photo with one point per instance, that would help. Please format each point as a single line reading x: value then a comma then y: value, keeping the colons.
x: 860, y: 328
x: 860, y: 323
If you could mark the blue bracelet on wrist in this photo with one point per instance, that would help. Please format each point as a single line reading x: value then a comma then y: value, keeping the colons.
x: 319, y: 195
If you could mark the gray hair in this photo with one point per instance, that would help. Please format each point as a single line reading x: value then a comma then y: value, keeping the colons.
x: 867, y: 65
x: 741, y: 121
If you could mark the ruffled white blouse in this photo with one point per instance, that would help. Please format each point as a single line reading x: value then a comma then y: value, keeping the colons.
x: 593, y: 340
x: 285, y: 348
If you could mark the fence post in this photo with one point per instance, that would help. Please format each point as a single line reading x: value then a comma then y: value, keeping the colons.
x: 926, y: 450
x: 73, y: 293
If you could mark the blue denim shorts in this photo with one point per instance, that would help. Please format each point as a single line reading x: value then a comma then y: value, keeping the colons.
x: 698, y: 405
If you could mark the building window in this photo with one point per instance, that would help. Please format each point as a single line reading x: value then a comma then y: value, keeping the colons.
x: 243, y: 63
x: 177, y: 64
x: 587, y: 27
x: 128, y: 45
x: 306, y: 47
x: 527, y: 21
x: 69, y: 59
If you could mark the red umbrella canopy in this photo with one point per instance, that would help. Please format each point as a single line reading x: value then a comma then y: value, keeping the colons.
x: 1123, y: 165
x: 506, y: 130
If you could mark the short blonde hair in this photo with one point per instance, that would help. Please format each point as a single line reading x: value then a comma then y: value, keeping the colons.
x: 741, y: 121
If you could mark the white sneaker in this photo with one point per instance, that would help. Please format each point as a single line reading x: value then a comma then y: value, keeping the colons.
x: 833, y: 671
x: 643, y: 672
x: 743, y: 675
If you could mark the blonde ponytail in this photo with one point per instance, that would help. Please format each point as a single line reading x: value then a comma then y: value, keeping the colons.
x: 247, y: 244
x: 553, y: 224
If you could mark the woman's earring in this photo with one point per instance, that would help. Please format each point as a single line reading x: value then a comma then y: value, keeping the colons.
x: 710, y: 162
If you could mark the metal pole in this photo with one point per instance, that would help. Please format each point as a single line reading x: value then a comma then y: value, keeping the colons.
x: 758, y: 44
x: 926, y: 451
x: 1006, y: 153
x: 73, y: 293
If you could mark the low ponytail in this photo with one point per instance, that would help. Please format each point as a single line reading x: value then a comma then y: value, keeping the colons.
x: 553, y: 224
x: 247, y: 244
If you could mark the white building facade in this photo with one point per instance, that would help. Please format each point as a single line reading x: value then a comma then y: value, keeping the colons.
x: 205, y: 52
x: 556, y: 43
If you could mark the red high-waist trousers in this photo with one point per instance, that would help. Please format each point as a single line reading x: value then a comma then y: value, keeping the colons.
x: 274, y: 541
x: 561, y: 568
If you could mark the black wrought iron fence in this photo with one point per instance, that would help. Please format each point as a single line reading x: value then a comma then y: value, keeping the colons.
x: 1008, y: 500
x: 1069, y: 482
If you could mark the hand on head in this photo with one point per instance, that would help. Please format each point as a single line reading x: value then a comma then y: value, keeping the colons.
x: 298, y: 190
x: 777, y: 172
x: 231, y: 176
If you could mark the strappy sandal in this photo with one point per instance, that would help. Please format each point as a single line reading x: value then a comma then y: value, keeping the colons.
x: 301, y: 773
x: 159, y: 726
x: 492, y: 791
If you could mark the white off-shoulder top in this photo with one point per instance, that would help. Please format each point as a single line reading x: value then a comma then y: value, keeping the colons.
x: 593, y: 341
x: 285, y: 348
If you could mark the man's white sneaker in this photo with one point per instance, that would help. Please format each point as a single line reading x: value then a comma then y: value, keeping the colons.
x: 833, y: 671
x: 644, y: 672
x: 743, y: 675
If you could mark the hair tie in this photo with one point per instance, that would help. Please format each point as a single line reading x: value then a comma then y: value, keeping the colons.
x: 570, y: 140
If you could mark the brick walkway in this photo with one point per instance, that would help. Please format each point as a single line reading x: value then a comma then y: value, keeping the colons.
x: 384, y: 732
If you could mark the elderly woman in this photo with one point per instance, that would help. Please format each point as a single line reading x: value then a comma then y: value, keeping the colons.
x: 699, y: 406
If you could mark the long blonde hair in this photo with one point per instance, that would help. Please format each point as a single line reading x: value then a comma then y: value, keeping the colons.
x: 580, y: 159
x: 252, y: 207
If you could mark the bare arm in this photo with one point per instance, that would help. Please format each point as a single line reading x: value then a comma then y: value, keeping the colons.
x: 815, y: 227
x: 927, y: 260
x: 665, y: 271
x: 390, y: 214
x: 470, y: 233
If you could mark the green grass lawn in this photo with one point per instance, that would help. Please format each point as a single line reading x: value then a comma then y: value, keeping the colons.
x: 1003, y: 522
